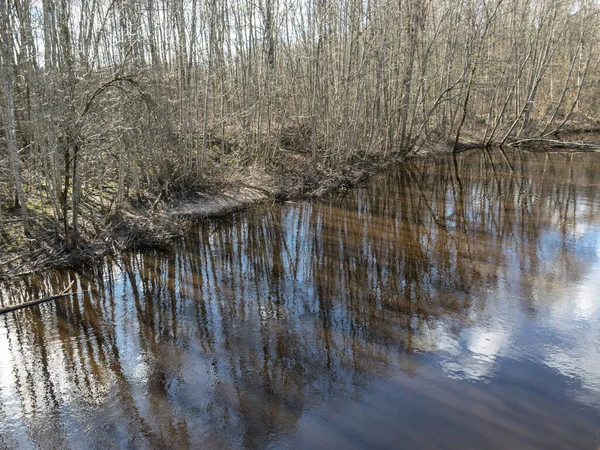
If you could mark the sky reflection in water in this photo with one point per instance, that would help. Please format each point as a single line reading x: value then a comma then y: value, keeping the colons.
x: 450, y: 304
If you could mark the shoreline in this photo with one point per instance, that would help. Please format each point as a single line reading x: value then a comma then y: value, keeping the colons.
x: 144, y: 226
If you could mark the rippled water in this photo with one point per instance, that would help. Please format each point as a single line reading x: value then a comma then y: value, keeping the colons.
x: 449, y: 303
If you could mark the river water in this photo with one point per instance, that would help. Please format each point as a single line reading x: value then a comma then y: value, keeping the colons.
x: 450, y: 303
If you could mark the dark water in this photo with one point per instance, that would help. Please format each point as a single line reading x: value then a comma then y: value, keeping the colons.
x: 438, y: 306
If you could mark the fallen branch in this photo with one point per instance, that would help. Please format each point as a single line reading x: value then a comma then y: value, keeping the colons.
x: 11, y: 260
x: 555, y: 144
x: 37, y: 302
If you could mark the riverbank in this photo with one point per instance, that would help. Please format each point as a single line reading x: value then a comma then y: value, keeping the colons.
x: 154, y: 221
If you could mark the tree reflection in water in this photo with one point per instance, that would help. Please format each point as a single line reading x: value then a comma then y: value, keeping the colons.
x: 256, y: 321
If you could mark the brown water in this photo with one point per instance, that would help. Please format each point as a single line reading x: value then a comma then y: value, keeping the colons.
x: 437, y: 306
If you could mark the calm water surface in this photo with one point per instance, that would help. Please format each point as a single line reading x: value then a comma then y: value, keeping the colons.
x: 445, y: 304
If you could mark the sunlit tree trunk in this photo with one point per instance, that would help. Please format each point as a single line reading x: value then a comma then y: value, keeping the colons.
x: 7, y: 67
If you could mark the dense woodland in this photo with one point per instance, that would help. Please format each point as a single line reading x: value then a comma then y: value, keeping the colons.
x: 111, y: 101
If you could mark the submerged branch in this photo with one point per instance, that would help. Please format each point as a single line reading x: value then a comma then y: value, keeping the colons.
x: 38, y: 301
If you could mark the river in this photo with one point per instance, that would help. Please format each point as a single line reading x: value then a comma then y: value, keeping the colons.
x: 446, y: 303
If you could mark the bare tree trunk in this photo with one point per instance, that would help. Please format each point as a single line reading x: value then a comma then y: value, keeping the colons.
x: 9, y: 111
x: 408, y: 75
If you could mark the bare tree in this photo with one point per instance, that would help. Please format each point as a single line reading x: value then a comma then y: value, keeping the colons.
x: 7, y: 68
x: 189, y: 86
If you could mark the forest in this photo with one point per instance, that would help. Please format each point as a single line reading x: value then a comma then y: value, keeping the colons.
x: 113, y: 108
